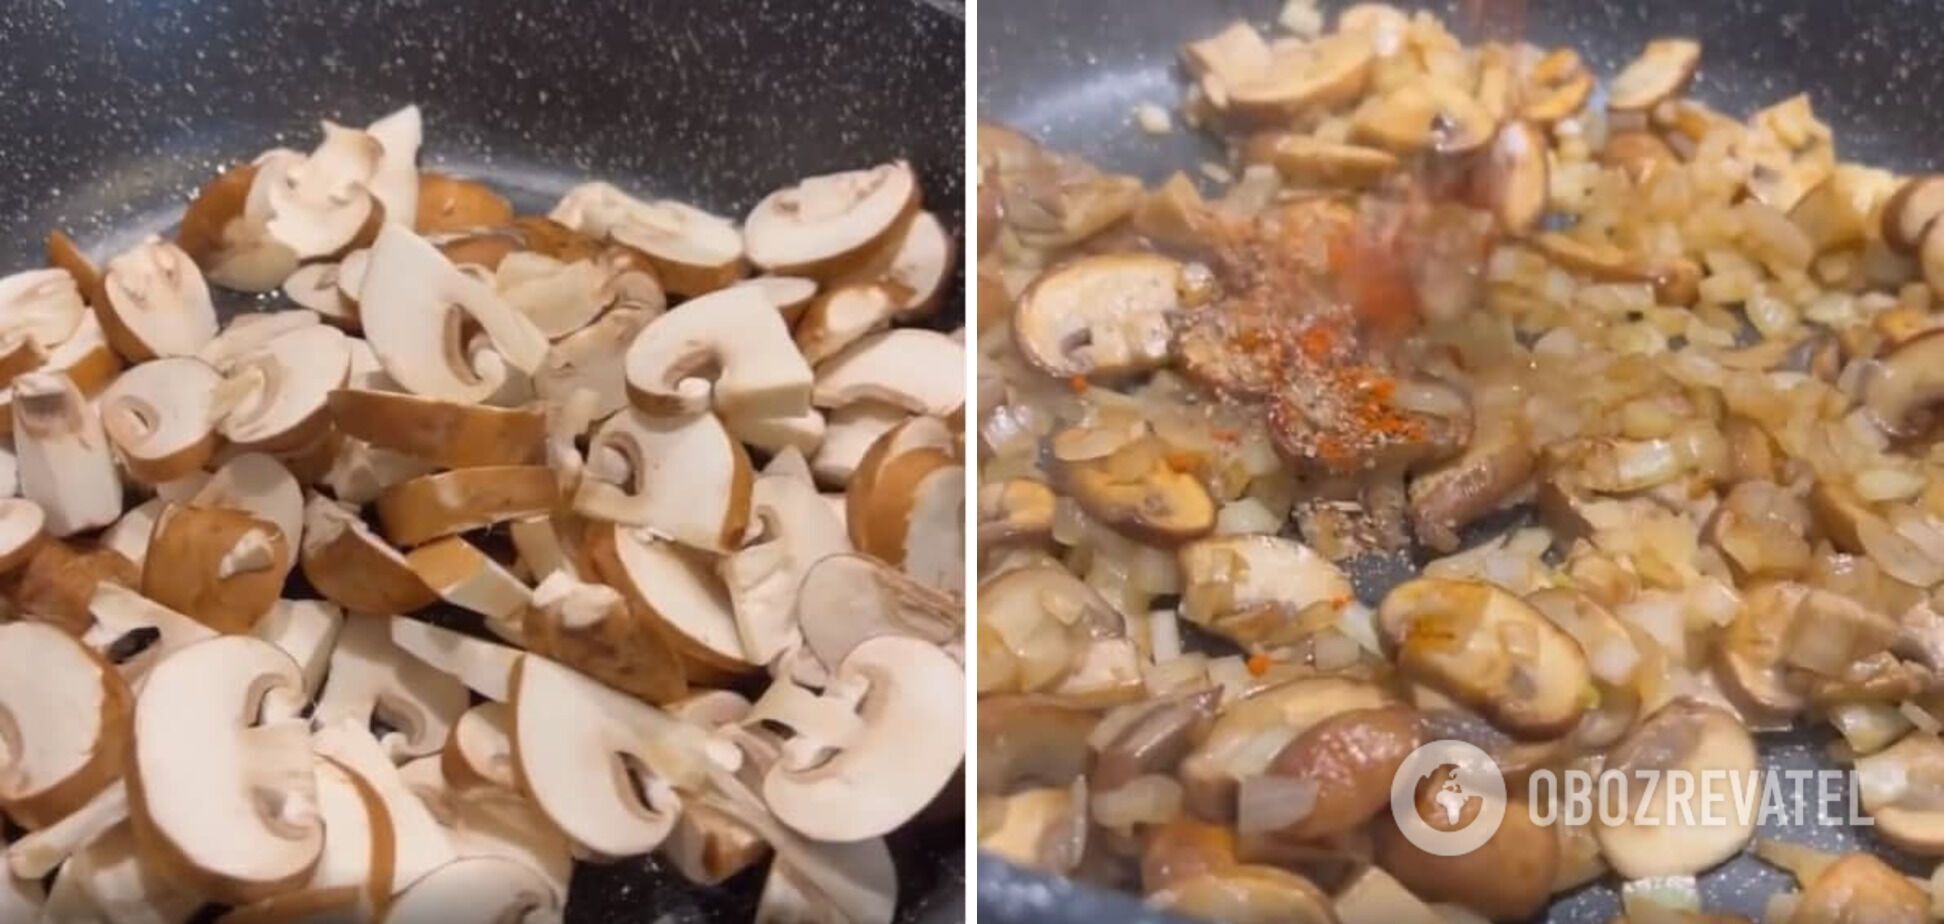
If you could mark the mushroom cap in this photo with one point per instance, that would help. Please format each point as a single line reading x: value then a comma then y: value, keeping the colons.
x: 224, y: 568
x: 43, y: 306
x: 420, y: 843
x: 475, y: 889
x: 370, y: 676
x: 902, y: 746
x: 590, y: 628
x: 260, y: 485
x: 449, y: 203
x: 919, y: 370
x: 593, y: 358
x: 1250, y: 732
x: 449, y: 433
x: 288, y: 381
x: 1711, y: 745
x: 161, y: 416
x: 693, y: 251
x: 844, y: 600
x: 157, y: 303
x: 223, y: 802
x: 601, y: 765
x: 468, y: 578
x: 1103, y: 315
x: 415, y: 306
x: 1511, y: 663
x: 395, y: 181
x: 1234, y: 584
x: 682, y: 477
x: 676, y: 589
x: 1662, y: 71
x: 433, y: 506
x: 727, y: 350
x: 67, y: 714
x: 347, y: 563
x: 824, y: 224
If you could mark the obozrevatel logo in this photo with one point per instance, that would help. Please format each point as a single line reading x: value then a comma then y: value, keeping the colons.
x: 1448, y: 798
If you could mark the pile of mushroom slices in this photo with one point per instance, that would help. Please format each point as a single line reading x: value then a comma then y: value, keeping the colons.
x: 553, y: 420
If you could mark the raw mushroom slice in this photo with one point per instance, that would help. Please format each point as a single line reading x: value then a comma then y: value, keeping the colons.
x: 1490, y: 650
x: 123, y: 889
x: 1911, y: 211
x: 1248, y: 588
x: 420, y: 844
x: 61, y: 578
x: 484, y: 667
x: 40, y: 306
x: 593, y: 358
x: 9, y: 469
x: 790, y: 462
x: 360, y: 473
x: 67, y: 717
x: 259, y: 485
x: 277, y: 393
x: 370, y: 676
x: 678, y: 591
x: 395, y: 181
x: 250, y: 332
x: 467, y: 578
x: 347, y: 563
x: 323, y: 205
x: 450, y: 203
x: 917, y: 266
x: 494, y: 822
x: 684, y: 478
x: 416, y: 308
x: 22, y: 526
x: 540, y: 548
x: 476, y: 889
x: 1507, y: 878
x: 801, y: 432
x: 793, y: 530
x: 840, y: 316
x: 224, y: 228
x: 825, y: 225
x: 854, y: 882
x: 845, y: 600
x: 1714, y: 749
x: 849, y: 433
x: 434, y: 506
x: 919, y: 370
x: 693, y: 251
x: 790, y: 294
x: 65, y: 463
x: 157, y: 303
x: 1106, y: 315
x: 591, y: 628
x: 443, y: 432
x: 604, y: 767
x: 1661, y: 72
x: 222, y: 567
x: 220, y: 783
x: 307, y: 631
x: 917, y: 523
x: 878, y: 500
x: 882, y: 741
x: 727, y: 350
x: 1902, y: 387
x: 558, y: 296
x: 161, y: 417
x: 480, y: 750
x: 39, y: 853
x: 359, y: 845
x: 708, y: 846
x: 1423, y: 115
x: 120, y: 613
x: 316, y: 286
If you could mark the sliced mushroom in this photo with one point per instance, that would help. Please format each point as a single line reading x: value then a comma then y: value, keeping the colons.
x: 907, y: 510
x: 157, y: 303
x: 1351, y: 758
x: 259, y: 485
x: 1250, y: 732
x: 918, y: 370
x: 475, y: 889
x: 495, y: 823
x: 1497, y: 462
x: 849, y: 433
x: 1035, y: 623
x: 1248, y: 894
x: 248, y: 333
x: 591, y: 628
x: 42, y: 307
x: 84, y: 358
x: 433, y: 506
x: 450, y: 203
x: 1303, y: 159
x: 60, y: 580
x: 844, y: 600
x: 223, y: 227
x: 793, y: 530
x: 440, y: 431
x: 799, y: 432
x: 1898, y: 786
x: 1516, y: 180
x: 347, y: 563
x: 353, y: 874
x: 1254, y: 80
x: 1716, y: 751
x: 1661, y: 72
x: 219, y: 779
x: 891, y: 724
x: 1556, y: 87
x: 161, y: 417
x: 604, y: 767
x: 319, y: 287
x: 420, y: 844
x: 65, y: 463
x: 121, y: 888
x: 593, y: 358
x: 1031, y: 741
x: 916, y: 265
x: 1861, y: 887
x: 728, y: 350
x: 790, y: 294
x: 322, y: 204
x: 1905, y: 384
x: 1509, y: 877
x: 468, y: 578
x: 1105, y: 315
x: 693, y: 251
x: 682, y: 477
x: 68, y: 723
x: 1640, y: 153
x: 677, y: 591
x: 1911, y: 212
x: 1138, y: 491
x: 370, y: 676
x: 559, y: 296
x: 827, y: 224
x: 276, y: 394
x: 840, y: 316
x: 1491, y: 651
x: 480, y: 749
x: 416, y: 308
x: 225, y: 568
x: 1042, y: 829
x: 1749, y: 660
x: 484, y: 667
x: 1017, y: 510
x: 1250, y: 588
x: 306, y: 630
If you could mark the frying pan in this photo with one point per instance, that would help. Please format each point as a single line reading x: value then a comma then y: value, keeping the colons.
x: 115, y: 112
x: 1070, y: 72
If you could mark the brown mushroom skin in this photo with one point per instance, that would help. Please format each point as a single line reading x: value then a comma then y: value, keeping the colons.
x: 60, y: 579
x: 1452, y: 496
x: 442, y: 432
x: 184, y: 561
x: 1861, y: 888
x: 103, y: 768
x: 1508, y: 878
x: 219, y: 202
x: 448, y: 503
x: 623, y: 650
x: 1352, y: 757
x: 1155, y: 742
x: 448, y: 203
x: 1031, y: 741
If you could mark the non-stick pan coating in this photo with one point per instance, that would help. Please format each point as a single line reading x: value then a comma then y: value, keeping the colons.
x: 113, y: 113
x: 1071, y: 71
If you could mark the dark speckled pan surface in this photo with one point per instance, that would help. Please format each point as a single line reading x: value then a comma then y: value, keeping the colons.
x: 113, y: 112
x: 1071, y: 71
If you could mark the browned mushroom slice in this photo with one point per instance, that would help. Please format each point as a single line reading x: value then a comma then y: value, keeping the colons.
x: 161, y: 416
x: 1303, y: 159
x: 1103, y: 315
x: 1837, y: 213
x: 1515, y: 177
x: 1509, y: 877
x: 826, y: 225
x: 1016, y: 510
x: 448, y: 503
x: 1324, y: 426
x: 1713, y: 748
x: 1029, y: 740
x: 1900, y: 788
x: 1639, y: 153
x: 1138, y: 490
x: 1254, y: 80
x: 1491, y: 470
x: 1906, y: 383
x: 1556, y: 87
x: 224, y: 568
x: 1861, y: 887
x: 1602, y: 261
x: 1912, y: 211
x: 448, y: 433
x: 1040, y: 828
x: 1250, y: 732
x: 1663, y: 70
x: 1248, y: 894
x: 1490, y: 650
x: 450, y: 203
x: 1749, y: 660
x: 1351, y: 758
x: 1033, y: 623
x: 347, y: 563
x: 1423, y: 115
x: 1258, y: 590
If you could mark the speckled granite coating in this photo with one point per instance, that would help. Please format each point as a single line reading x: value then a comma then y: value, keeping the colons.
x: 1071, y: 71
x: 113, y: 112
